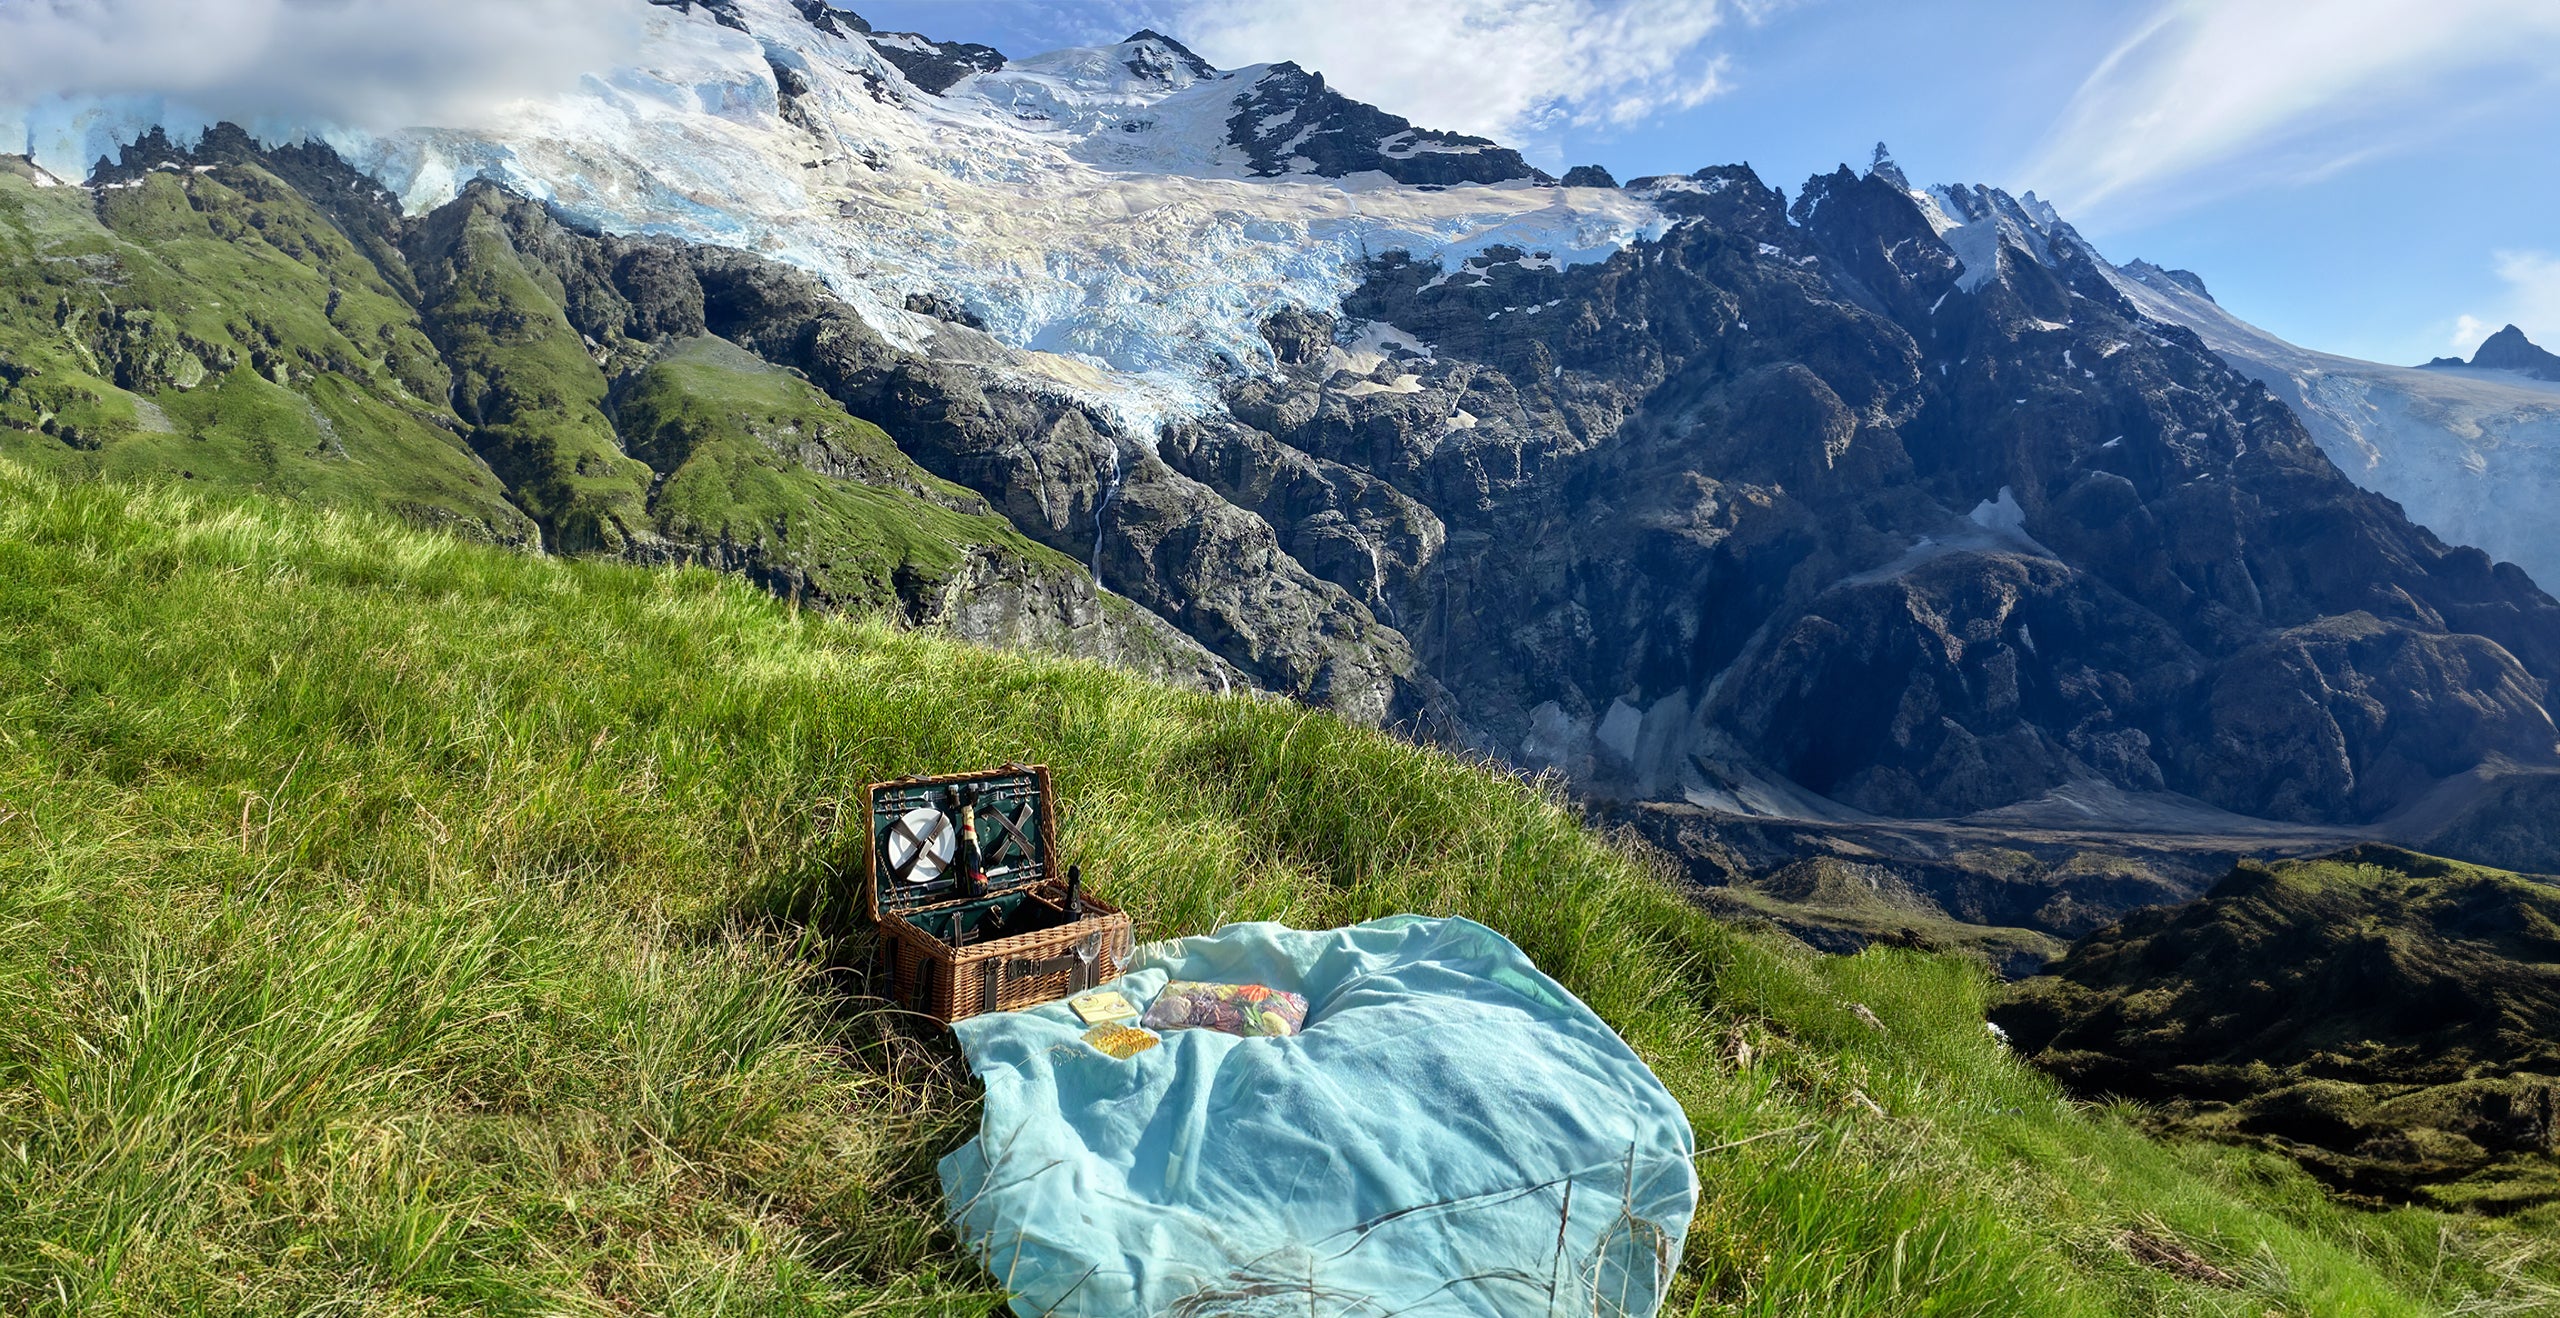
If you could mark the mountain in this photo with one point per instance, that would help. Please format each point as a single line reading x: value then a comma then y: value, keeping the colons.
x: 2467, y: 450
x: 2390, y: 1020
x: 2508, y: 350
x: 1890, y: 516
x: 235, y: 316
x: 397, y: 924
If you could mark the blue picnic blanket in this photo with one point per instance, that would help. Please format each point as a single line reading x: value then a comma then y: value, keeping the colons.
x: 1453, y: 1134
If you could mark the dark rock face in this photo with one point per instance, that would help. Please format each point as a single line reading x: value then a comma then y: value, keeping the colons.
x: 831, y: 20
x: 2510, y: 350
x: 1290, y: 116
x: 1155, y: 56
x: 723, y: 12
x: 934, y: 66
x: 1964, y: 685
x: 942, y: 307
x: 1589, y: 176
x: 2364, y: 715
x: 1070, y: 482
x: 1926, y: 523
x: 2391, y: 1020
x: 657, y: 282
x: 1346, y: 526
x: 2186, y: 279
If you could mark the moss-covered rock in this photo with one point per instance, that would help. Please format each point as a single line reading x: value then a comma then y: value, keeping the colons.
x: 2390, y: 1019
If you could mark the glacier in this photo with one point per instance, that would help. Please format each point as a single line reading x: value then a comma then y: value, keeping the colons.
x: 2473, y: 455
x: 1085, y: 205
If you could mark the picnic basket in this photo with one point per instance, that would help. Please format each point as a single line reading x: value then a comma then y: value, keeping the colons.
x: 951, y: 955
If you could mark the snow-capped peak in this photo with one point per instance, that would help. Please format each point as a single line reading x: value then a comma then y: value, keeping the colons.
x: 1096, y: 209
x: 1979, y: 222
x: 1151, y: 54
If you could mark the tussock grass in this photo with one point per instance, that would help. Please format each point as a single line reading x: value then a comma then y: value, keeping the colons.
x: 392, y: 926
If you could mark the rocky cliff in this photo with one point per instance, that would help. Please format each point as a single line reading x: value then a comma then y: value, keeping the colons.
x: 1872, y: 504
x: 1893, y: 500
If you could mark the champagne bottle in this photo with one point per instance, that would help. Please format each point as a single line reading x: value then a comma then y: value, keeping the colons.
x: 973, y: 868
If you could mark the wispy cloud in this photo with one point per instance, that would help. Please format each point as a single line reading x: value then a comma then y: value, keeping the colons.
x: 363, y: 62
x: 2300, y: 90
x: 1512, y: 70
x: 2531, y: 302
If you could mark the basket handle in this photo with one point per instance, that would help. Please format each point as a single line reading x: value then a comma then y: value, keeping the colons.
x: 1084, y: 964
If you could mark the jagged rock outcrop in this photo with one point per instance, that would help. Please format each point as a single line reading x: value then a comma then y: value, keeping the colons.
x: 831, y: 20
x: 723, y: 12
x: 1895, y: 497
x: 933, y: 66
x: 1153, y: 56
x: 1291, y: 122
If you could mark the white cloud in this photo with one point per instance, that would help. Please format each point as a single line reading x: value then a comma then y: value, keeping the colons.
x: 2298, y: 89
x: 370, y: 63
x: 1512, y: 70
x: 2531, y: 303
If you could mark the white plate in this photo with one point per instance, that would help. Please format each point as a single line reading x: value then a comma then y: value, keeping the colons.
x: 927, y: 830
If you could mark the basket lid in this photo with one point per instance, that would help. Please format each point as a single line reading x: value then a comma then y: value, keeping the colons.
x: 912, y: 859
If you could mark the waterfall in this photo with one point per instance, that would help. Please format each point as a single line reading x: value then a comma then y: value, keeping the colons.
x: 1110, y: 493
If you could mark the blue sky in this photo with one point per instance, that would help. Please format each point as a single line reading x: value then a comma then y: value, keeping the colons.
x: 2369, y: 177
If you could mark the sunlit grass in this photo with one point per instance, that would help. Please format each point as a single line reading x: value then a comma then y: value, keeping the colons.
x: 393, y: 926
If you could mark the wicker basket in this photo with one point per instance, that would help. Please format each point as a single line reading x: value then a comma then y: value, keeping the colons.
x: 937, y: 959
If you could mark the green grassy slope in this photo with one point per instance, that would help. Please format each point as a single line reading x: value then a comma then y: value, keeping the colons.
x: 525, y: 380
x: 2391, y: 1019
x: 216, y: 327
x: 244, y: 319
x: 758, y: 460
x: 389, y: 925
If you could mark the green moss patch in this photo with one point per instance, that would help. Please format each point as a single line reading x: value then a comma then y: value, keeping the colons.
x: 2390, y: 1019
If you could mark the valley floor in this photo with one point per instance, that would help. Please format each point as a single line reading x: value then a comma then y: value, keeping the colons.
x: 394, y: 926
